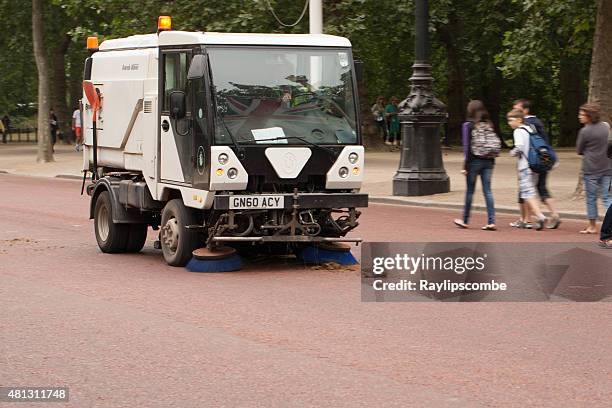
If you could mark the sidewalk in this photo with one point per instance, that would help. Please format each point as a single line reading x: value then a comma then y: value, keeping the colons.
x: 380, y: 168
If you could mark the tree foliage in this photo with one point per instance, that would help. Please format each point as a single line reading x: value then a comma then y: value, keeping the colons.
x: 494, y: 50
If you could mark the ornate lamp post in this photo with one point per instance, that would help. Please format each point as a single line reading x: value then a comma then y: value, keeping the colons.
x: 421, y: 171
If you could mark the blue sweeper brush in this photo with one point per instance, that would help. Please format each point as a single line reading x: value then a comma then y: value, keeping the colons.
x: 221, y: 259
x: 324, y: 253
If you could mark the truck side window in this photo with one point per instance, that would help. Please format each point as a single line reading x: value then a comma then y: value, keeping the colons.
x: 175, y: 75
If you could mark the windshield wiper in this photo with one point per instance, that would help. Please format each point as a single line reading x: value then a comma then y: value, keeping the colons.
x: 239, y: 150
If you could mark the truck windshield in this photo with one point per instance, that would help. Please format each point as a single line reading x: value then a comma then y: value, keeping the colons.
x: 283, y: 95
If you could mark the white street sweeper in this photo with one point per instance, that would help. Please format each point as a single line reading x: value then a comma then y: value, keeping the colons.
x: 221, y: 138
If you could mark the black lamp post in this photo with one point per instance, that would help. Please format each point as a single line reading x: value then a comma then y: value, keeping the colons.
x: 421, y: 171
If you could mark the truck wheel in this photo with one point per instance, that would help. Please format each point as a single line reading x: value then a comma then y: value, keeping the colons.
x: 111, y: 237
x: 177, y: 242
x: 137, y: 235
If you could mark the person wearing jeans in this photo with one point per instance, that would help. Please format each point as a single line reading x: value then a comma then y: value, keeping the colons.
x: 484, y: 168
x: 475, y: 166
x: 592, y: 145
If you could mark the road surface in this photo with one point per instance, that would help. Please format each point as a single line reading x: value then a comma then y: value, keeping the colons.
x: 129, y: 331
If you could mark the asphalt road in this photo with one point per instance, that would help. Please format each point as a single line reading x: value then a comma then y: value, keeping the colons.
x: 129, y: 331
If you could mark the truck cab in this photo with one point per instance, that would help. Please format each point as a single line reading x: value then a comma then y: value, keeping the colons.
x: 217, y: 138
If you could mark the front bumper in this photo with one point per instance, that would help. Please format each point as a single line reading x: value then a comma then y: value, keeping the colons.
x: 287, y: 238
x: 308, y: 200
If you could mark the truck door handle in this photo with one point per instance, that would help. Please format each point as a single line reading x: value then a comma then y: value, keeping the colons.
x: 165, y: 125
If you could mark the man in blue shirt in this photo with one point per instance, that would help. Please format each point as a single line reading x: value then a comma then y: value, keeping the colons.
x: 538, y: 126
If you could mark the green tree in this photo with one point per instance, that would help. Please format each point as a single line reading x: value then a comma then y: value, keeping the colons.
x: 551, y: 49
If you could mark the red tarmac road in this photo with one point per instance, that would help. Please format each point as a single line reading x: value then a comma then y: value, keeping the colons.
x: 129, y: 331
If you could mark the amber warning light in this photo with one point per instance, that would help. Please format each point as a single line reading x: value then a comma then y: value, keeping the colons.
x: 164, y: 23
x: 92, y: 43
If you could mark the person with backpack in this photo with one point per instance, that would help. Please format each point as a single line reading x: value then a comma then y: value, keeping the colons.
x: 541, y: 187
x: 592, y: 145
x: 480, y: 147
x: 526, y: 150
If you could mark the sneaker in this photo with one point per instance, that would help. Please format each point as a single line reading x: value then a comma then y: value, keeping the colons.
x: 388, y: 143
x: 521, y: 224
x: 539, y: 224
x: 554, y: 223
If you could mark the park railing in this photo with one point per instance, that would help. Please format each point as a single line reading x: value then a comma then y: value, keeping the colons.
x: 24, y: 135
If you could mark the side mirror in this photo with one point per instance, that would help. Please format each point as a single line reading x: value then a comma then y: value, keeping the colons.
x: 197, y: 67
x: 177, y: 105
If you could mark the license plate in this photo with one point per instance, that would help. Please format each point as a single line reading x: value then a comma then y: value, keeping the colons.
x: 257, y: 202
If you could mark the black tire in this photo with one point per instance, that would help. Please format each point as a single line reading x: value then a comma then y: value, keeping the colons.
x: 137, y: 236
x: 112, y: 238
x: 177, y: 242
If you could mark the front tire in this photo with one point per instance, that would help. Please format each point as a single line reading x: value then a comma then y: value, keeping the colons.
x: 178, y: 242
x: 112, y: 237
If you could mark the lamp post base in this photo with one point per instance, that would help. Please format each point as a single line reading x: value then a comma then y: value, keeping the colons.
x: 421, y: 170
x: 420, y: 184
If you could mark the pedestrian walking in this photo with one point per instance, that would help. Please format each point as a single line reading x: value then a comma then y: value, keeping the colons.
x: 76, y: 128
x: 54, y: 127
x: 6, y: 123
x: 480, y: 147
x: 592, y: 145
x: 391, y: 112
x: 527, y: 190
x: 378, y: 111
x: 542, y: 177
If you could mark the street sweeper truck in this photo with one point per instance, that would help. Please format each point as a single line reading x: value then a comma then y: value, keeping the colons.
x: 219, y: 138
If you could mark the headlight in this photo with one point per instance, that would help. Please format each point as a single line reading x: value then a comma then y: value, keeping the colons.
x: 343, y: 172
x: 219, y: 172
x: 355, y: 170
x: 353, y: 157
x: 232, y: 173
x: 223, y: 158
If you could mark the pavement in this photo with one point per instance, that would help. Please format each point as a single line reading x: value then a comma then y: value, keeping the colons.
x: 126, y: 330
x: 20, y: 158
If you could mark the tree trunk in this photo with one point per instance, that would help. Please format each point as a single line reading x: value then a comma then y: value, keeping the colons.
x: 456, y: 80
x: 75, y: 86
x: 45, y: 153
x: 601, y: 75
x: 58, y: 86
x: 491, y: 95
x: 572, y: 96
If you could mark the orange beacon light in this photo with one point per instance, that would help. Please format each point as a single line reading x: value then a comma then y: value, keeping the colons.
x: 164, y: 23
x: 92, y: 43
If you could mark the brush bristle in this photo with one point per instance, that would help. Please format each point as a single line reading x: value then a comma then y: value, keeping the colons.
x: 314, y: 255
x: 229, y: 264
